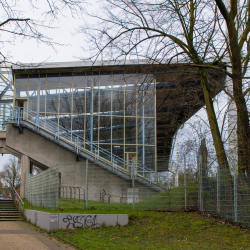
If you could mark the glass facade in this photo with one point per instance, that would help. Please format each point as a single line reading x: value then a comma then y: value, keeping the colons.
x: 115, y: 110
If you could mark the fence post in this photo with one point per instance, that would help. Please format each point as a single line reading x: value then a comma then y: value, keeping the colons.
x: 235, y: 195
x: 185, y: 183
x: 200, y: 182
x: 58, y: 187
x: 218, y: 189
x: 87, y: 190
x: 133, y: 184
x: 49, y: 187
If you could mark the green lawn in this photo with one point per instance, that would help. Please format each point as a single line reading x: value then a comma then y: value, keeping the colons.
x: 152, y: 230
x: 149, y: 229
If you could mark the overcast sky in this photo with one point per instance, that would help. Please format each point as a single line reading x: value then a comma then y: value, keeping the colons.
x: 26, y: 51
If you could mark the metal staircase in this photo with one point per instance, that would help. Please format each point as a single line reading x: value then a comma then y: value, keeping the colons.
x: 22, y: 117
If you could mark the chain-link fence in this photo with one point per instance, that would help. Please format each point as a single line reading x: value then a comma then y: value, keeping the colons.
x: 226, y: 195
x: 222, y: 193
x: 43, y: 189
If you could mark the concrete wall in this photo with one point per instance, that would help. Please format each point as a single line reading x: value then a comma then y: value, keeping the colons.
x: 50, y: 221
x: 73, y: 173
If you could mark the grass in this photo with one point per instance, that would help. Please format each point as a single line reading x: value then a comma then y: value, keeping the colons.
x: 152, y: 230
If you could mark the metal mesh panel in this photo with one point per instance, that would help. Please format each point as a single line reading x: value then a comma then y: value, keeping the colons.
x: 222, y: 194
x: 43, y: 189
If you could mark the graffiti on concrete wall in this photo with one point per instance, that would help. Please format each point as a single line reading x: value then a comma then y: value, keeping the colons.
x: 80, y: 221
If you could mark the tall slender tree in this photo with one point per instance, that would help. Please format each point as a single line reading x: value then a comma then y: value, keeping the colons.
x: 192, y: 33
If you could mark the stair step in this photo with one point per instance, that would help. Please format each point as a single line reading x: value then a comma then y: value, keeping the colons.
x: 9, y: 211
x: 6, y: 209
x: 15, y: 219
x: 10, y: 216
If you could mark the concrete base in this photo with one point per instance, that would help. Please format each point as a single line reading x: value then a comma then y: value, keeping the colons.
x: 50, y: 221
x: 25, y: 166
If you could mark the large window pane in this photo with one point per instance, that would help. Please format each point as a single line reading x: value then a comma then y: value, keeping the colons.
x: 52, y: 100
x: 130, y: 103
x: 66, y: 101
x: 149, y: 126
x: 105, y: 80
x: 53, y: 80
x: 34, y: 80
x: 79, y: 81
x: 118, y: 102
x: 21, y: 91
x: 95, y: 129
x: 130, y: 81
x: 150, y: 157
x: 65, y: 121
x: 118, y: 81
x: 149, y: 104
x: 145, y: 82
x: 79, y: 101
x: 105, y: 129
x: 65, y: 81
x: 130, y: 130
x: 117, y: 130
x: 105, y: 101
x: 20, y: 81
x: 95, y: 93
x: 78, y: 124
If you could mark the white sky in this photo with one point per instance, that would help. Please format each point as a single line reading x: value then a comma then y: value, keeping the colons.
x: 26, y: 51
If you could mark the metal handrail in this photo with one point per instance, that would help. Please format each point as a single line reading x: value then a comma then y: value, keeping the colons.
x: 20, y: 113
x: 18, y: 201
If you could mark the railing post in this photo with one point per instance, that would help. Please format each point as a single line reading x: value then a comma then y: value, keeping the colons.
x: 96, y: 154
x: 133, y: 184
x: 37, y: 121
x: 83, y: 194
x: 21, y: 114
x: 87, y: 190
x: 77, y: 145
x: 70, y: 194
x: 18, y: 116
x: 114, y: 162
x: 79, y: 195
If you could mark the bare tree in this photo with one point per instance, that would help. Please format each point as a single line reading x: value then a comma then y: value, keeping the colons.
x: 1, y: 186
x: 11, y: 174
x: 15, y: 22
x: 191, y: 33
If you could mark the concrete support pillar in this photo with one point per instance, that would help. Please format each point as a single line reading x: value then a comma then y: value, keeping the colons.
x: 25, y: 166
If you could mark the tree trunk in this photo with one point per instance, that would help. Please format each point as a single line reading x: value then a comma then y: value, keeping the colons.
x: 243, y: 131
x: 218, y: 144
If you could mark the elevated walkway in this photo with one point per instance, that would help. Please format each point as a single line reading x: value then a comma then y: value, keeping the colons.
x: 47, y: 144
x: 92, y: 157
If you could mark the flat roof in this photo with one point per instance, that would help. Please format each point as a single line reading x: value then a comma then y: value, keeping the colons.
x: 82, y: 64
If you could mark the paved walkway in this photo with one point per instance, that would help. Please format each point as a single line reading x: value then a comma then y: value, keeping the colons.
x: 21, y: 235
